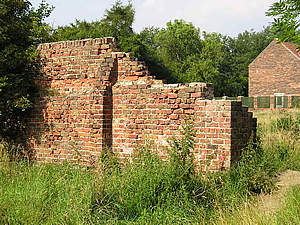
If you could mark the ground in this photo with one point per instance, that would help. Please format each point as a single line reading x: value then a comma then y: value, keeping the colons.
x: 273, y: 201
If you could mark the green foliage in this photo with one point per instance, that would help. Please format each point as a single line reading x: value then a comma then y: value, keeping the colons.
x: 175, y: 44
x: 215, y: 59
x: 181, y: 151
x: 21, y: 27
x: 178, y: 40
x: 204, y: 66
x: 117, y: 22
x: 239, y: 53
x: 78, y: 30
x: 286, y: 22
x: 255, y: 171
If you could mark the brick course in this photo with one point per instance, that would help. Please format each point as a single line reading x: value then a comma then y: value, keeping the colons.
x: 96, y: 96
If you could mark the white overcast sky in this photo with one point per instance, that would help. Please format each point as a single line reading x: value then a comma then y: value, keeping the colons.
x: 228, y: 17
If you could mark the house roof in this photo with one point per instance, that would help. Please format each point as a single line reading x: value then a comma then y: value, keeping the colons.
x: 293, y: 48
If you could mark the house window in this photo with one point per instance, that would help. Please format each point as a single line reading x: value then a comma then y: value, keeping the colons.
x: 279, y: 100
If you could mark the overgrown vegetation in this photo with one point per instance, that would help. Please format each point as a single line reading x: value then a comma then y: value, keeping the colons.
x: 148, y: 190
x: 286, y: 14
x: 288, y: 213
x: 21, y: 28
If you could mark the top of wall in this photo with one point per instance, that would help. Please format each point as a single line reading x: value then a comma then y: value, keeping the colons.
x: 96, y: 42
x: 99, y: 59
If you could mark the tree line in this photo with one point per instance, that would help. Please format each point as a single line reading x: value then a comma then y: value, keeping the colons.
x: 178, y: 53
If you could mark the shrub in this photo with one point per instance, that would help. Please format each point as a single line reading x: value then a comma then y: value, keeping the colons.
x: 21, y: 28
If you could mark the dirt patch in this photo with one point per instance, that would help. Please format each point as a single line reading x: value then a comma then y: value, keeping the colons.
x: 272, y: 202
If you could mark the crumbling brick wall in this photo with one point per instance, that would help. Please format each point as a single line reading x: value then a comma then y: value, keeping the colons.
x: 97, y: 97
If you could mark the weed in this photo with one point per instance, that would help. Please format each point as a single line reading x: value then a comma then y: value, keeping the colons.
x: 287, y: 122
x: 147, y: 185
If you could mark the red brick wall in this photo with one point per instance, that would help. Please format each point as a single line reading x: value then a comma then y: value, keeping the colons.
x: 100, y: 97
x: 275, y: 70
x: 70, y: 122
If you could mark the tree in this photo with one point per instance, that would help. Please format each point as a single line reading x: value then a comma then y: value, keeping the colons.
x: 204, y: 66
x: 21, y: 28
x: 117, y: 22
x: 286, y: 22
x: 239, y: 53
x: 175, y: 44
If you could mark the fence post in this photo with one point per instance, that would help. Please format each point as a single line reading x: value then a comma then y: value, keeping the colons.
x: 289, y: 101
x: 255, y: 102
x: 272, y: 102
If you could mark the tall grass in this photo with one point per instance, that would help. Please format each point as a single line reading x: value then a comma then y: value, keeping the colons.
x: 146, y: 190
x: 280, y: 135
x: 44, y: 194
x: 288, y: 214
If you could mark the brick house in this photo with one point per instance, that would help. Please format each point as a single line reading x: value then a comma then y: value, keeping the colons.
x: 275, y: 70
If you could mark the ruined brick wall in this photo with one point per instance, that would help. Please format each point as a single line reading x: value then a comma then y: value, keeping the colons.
x: 275, y: 70
x: 71, y: 118
x: 100, y: 97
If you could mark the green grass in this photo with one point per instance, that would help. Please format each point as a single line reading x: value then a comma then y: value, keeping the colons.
x: 290, y: 213
x: 150, y: 191
x: 287, y: 214
x: 44, y: 194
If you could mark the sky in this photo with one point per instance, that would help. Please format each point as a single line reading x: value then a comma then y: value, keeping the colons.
x: 228, y: 17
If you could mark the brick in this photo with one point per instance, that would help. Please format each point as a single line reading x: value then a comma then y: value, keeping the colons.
x: 173, y: 117
x: 172, y: 95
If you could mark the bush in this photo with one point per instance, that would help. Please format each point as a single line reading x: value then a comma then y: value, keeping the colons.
x: 21, y: 28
